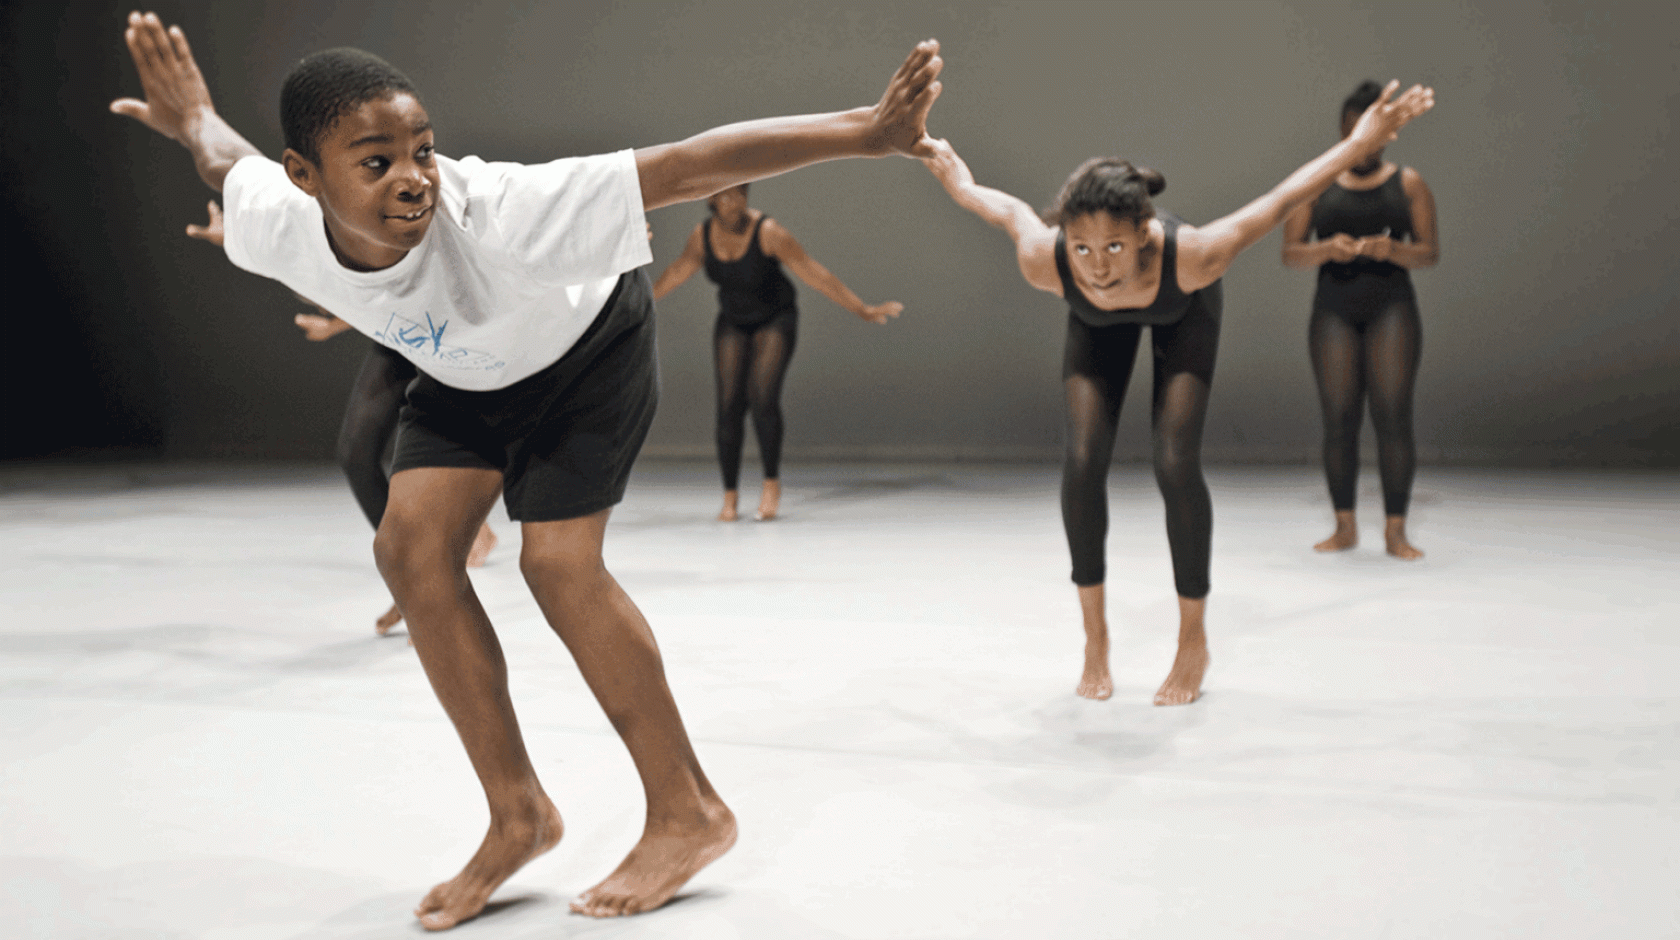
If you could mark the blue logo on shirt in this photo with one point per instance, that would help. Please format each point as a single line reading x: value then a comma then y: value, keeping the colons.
x: 424, y: 341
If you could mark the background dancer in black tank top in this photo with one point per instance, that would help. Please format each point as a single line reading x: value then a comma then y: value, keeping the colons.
x: 1120, y: 264
x: 742, y: 251
x: 370, y: 419
x: 1374, y: 224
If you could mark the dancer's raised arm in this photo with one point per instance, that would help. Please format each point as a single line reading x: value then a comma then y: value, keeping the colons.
x: 740, y: 153
x: 1035, y: 242
x: 177, y: 103
x: 1207, y: 251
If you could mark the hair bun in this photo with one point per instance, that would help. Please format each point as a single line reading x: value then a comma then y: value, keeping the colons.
x: 1152, y: 180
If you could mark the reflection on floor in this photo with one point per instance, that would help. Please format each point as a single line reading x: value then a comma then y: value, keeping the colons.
x: 200, y: 735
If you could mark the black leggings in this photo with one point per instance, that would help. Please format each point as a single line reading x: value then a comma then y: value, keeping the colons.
x: 1375, y: 348
x: 370, y: 420
x: 1097, y: 366
x: 751, y: 363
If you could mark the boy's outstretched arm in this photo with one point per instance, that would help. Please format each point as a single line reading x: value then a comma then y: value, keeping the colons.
x: 740, y: 153
x: 177, y: 103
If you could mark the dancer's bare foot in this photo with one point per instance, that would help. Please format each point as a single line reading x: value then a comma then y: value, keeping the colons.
x: 1095, y: 682
x: 1345, y: 537
x: 731, y: 499
x: 769, y: 501
x: 1184, y: 683
x: 665, y: 858
x: 506, y: 849
x: 1394, y: 533
x: 483, y: 544
x: 387, y: 620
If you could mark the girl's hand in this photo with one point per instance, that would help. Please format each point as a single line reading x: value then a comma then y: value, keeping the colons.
x: 946, y: 166
x: 212, y: 231
x: 1342, y: 247
x: 319, y: 327
x: 881, y: 313
x: 1376, y: 247
x: 898, y: 122
x: 1382, y: 121
x: 176, y: 97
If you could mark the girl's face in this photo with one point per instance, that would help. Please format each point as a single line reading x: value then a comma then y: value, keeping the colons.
x: 377, y: 181
x: 730, y: 206
x: 1105, y: 252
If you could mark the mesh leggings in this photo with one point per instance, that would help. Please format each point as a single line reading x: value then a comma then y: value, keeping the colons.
x: 370, y: 420
x: 1097, y: 366
x: 751, y: 363
x: 1375, y: 350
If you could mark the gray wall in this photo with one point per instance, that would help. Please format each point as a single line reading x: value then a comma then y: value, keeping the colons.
x: 1550, y: 334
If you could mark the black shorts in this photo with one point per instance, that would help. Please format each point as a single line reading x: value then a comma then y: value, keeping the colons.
x: 564, y: 439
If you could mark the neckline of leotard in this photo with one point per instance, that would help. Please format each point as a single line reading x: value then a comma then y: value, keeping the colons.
x: 752, y: 241
x: 1169, y: 271
x: 1398, y: 169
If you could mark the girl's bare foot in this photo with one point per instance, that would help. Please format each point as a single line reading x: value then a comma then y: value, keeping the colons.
x: 387, y: 620
x: 1184, y: 683
x: 1094, y: 682
x: 1345, y: 537
x: 483, y: 544
x: 665, y: 858
x: 506, y: 848
x: 769, y: 501
x: 731, y: 498
x: 1394, y: 533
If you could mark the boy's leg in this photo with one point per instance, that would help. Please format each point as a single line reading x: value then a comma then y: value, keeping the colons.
x: 687, y: 825
x: 422, y: 545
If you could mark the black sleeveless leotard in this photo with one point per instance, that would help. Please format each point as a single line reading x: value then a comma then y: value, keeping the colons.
x: 752, y: 290
x: 1363, y: 284
x: 1097, y: 366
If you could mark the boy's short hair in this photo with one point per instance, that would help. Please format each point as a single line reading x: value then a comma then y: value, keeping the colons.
x: 323, y: 87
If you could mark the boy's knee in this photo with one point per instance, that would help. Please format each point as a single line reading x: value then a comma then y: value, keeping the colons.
x: 404, y: 550
x: 552, y: 566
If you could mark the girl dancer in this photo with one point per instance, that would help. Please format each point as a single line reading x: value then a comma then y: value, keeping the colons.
x: 1374, y: 224
x: 757, y: 326
x: 1120, y: 264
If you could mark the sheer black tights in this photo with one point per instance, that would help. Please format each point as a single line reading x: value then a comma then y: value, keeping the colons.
x: 1378, y: 355
x: 751, y: 363
x: 1097, y: 366
x: 370, y: 420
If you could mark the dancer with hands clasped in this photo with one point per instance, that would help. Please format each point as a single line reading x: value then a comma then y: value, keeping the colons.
x: 518, y: 294
x: 1120, y: 265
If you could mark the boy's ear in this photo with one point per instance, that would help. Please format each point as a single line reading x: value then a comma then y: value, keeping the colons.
x: 304, y: 174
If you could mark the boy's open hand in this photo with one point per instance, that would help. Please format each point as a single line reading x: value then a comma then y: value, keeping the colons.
x: 176, y: 96
x: 899, y: 121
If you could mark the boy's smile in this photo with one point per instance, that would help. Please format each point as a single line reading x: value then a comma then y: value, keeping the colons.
x: 377, y: 181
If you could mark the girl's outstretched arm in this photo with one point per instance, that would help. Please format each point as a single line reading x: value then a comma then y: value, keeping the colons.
x: 1035, y: 242
x: 177, y: 103
x: 740, y: 153
x: 780, y: 244
x: 692, y: 257
x: 1205, y: 252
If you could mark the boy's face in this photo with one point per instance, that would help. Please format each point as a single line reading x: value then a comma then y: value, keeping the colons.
x: 377, y: 181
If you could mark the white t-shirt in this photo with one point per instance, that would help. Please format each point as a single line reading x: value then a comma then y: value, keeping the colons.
x: 516, y: 264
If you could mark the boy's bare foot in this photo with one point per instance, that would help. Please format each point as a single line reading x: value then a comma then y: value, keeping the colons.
x: 1394, y: 533
x: 387, y: 620
x: 769, y: 501
x: 660, y: 864
x: 483, y: 544
x: 731, y: 498
x: 505, y: 850
x: 1095, y: 682
x: 1345, y: 537
x: 1184, y: 683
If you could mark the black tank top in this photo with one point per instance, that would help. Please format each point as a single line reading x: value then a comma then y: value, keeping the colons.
x: 1362, y: 212
x: 751, y: 289
x: 1170, y: 301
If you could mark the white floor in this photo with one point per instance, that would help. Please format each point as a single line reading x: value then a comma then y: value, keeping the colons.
x: 200, y: 736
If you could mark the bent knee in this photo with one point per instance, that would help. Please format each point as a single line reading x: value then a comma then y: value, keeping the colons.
x: 551, y: 565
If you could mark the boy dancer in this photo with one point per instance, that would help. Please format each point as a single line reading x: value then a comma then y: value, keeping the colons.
x: 516, y: 291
